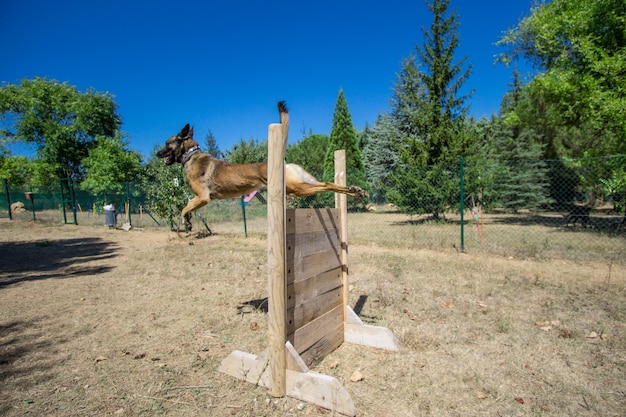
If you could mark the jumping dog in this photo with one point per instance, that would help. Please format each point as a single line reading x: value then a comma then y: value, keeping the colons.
x: 213, y: 179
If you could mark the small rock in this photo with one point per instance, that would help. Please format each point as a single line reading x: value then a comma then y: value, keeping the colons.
x: 356, y: 376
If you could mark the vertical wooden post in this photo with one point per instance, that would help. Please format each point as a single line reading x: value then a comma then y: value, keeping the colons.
x: 277, y: 287
x: 341, y: 203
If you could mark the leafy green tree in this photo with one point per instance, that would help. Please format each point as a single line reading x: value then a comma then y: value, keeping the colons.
x: 614, y: 184
x: 577, y: 102
x: 43, y: 172
x: 15, y: 169
x: 309, y: 153
x: 343, y: 136
x: 59, y: 120
x: 109, y: 165
x: 429, y: 113
x: 166, y: 189
x: 246, y: 152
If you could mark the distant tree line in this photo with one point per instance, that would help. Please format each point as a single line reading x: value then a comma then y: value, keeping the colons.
x: 571, y: 109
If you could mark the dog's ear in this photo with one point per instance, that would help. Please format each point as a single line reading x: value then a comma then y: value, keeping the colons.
x: 190, y: 134
x: 184, y: 131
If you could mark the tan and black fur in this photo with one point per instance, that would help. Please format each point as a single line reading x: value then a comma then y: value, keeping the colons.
x: 213, y: 179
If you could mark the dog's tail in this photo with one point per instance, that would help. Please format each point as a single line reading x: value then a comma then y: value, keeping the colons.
x: 284, y: 116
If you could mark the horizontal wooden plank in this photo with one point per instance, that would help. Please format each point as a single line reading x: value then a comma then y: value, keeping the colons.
x: 303, y: 244
x: 332, y: 339
x: 299, y: 269
x: 307, y: 335
x: 311, y: 220
x: 305, y: 290
x: 301, y: 314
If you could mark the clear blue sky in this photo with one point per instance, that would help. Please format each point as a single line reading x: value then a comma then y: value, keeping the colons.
x: 223, y: 65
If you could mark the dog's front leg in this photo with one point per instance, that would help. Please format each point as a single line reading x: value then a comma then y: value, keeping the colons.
x: 194, y: 204
x: 187, y: 222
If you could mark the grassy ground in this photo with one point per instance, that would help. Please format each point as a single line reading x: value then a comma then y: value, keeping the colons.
x: 98, y: 321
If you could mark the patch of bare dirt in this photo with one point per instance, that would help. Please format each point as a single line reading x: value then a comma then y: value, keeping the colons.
x: 97, y: 321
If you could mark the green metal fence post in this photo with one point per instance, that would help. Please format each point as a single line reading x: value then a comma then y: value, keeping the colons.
x: 71, y: 182
x: 68, y: 198
x: 6, y: 189
x: 62, y: 200
x: 30, y: 196
x: 128, y: 202
x: 462, y: 186
x: 243, y: 211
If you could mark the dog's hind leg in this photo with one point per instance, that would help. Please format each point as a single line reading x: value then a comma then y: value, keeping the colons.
x: 300, y: 183
x: 305, y: 189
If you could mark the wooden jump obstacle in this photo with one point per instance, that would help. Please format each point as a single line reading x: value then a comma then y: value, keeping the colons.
x: 308, y: 310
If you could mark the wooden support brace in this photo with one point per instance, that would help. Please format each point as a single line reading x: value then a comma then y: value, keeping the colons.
x: 359, y: 333
x: 302, y: 383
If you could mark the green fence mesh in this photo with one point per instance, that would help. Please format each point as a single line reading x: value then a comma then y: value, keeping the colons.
x: 572, y: 209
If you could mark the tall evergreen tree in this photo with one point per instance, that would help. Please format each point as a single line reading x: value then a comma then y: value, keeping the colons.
x: 511, y: 100
x: 443, y: 79
x: 379, y: 156
x: 343, y: 136
x: 429, y: 113
x: 212, y: 146
x: 523, y: 181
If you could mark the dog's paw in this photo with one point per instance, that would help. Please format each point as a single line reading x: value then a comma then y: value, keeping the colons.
x: 358, y: 192
x: 188, y: 225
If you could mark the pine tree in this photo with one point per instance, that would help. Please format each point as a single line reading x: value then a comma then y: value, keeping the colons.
x: 523, y: 181
x: 379, y: 156
x: 343, y: 136
x: 430, y: 115
x: 212, y: 146
x: 443, y: 80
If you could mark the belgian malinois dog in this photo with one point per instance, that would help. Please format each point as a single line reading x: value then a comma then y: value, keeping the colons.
x: 211, y: 178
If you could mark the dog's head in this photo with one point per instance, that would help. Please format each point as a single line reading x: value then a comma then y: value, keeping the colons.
x: 176, y: 146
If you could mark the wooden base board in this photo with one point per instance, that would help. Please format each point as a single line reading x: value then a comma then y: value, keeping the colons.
x: 359, y: 333
x: 302, y: 383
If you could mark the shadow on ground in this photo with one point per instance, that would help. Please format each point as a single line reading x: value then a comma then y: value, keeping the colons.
x: 59, y: 258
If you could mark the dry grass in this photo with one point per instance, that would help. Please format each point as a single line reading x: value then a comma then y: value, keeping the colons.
x: 95, y: 321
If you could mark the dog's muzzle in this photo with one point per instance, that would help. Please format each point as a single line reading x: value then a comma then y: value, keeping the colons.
x: 167, y: 155
x: 169, y: 159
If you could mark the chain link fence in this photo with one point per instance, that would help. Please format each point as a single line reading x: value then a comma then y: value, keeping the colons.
x: 561, y: 209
